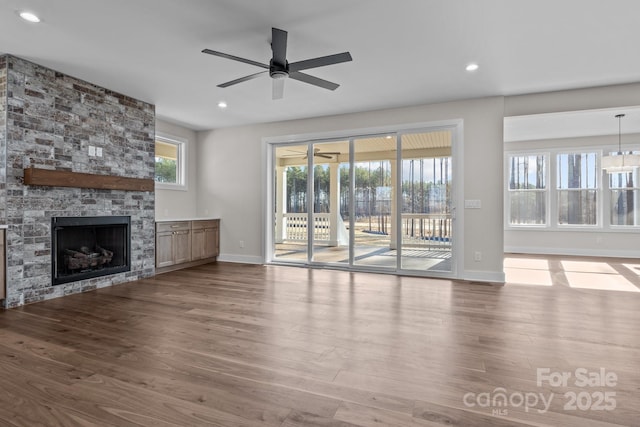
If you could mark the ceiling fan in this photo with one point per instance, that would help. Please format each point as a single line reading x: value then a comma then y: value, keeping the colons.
x: 279, y: 68
x: 316, y: 153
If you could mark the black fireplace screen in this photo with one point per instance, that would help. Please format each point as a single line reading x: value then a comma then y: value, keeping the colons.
x: 86, y: 247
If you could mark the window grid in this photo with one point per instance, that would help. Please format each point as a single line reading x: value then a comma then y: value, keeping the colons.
x: 527, y: 190
x: 577, y: 188
x: 598, y: 201
x: 624, y: 208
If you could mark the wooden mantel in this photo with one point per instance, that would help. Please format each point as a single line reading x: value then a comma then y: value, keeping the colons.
x: 58, y: 178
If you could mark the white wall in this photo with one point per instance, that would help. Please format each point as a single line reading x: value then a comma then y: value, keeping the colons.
x: 231, y: 173
x: 229, y: 169
x: 597, y: 242
x: 573, y: 100
x: 573, y: 242
x: 178, y: 204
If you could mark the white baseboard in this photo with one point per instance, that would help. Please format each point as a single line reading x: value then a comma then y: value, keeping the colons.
x: 483, y: 276
x: 607, y: 253
x: 240, y: 259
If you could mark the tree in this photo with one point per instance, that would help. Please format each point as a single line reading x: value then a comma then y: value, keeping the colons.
x: 321, y: 187
x: 296, y: 189
x: 166, y: 170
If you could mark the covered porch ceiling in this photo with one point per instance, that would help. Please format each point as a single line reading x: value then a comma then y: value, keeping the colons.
x: 374, y: 148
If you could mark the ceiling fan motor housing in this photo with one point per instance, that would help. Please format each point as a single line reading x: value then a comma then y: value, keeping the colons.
x: 278, y: 71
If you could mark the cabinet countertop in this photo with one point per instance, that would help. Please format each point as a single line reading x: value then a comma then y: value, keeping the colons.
x: 184, y: 219
x: 3, y: 227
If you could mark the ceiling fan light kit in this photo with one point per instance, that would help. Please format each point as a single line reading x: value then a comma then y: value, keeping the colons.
x: 279, y: 68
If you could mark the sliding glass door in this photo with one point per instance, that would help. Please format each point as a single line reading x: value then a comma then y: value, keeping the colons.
x: 290, y: 204
x: 374, y: 166
x: 330, y: 203
x: 375, y: 203
x: 426, y: 221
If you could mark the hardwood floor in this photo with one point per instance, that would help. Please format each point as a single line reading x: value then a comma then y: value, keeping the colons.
x: 615, y: 274
x: 230, y: 345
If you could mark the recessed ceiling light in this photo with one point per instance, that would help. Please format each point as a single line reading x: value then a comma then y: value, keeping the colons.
x: 472, y: 67
x: 28, y: 16
x: 222, y: 104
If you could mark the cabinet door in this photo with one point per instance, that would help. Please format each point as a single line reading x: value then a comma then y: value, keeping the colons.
x: 164, y: 249
x: 211, y: 242
x: 182, y: 246
x: 197, y: 244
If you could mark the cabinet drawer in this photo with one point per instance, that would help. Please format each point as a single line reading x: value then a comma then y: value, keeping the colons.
x: 162, y: 227
x: 200, y: 225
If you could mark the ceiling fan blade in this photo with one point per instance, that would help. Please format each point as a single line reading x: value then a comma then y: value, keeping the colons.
x: 306, y: 78
x: 277, y: 88
x: 279, y: 46
x: 298, y: 154
x: 235, y: 58
x: 242, y: 79
x: 323, y: 155
x: 320, y: 61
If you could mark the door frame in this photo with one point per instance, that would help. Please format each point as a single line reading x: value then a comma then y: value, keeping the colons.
x: 457, y: 149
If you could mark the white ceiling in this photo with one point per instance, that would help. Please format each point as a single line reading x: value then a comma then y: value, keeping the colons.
x: 405, y: 52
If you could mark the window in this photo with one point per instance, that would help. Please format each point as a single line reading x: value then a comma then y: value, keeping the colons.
x: 577, y: 187
x: 556, y: 189
x: 170, y: 158
x: 527, y: 189
x: 624, y: 193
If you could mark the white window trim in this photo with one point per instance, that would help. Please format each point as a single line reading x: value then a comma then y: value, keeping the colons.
x: 181, y: 173
x: 599, y: 225
x: 547, y: 191
x: 606, y: 201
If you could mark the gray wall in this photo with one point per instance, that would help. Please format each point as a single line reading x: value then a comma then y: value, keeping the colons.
x: 52, y: 119
x: 231, y: 176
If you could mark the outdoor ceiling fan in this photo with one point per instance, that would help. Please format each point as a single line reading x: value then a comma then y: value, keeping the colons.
x: 316, y: 153
x: 279, y: 68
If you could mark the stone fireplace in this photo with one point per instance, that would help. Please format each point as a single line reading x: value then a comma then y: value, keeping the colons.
x: 49, y: 120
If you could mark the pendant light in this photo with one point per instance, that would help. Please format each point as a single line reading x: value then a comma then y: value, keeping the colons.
x: 620, y: 162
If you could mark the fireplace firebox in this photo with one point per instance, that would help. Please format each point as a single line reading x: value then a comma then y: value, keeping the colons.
x: 87, y: 247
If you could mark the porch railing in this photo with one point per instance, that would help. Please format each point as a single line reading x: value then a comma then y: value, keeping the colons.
x: 296, y: 227
x: 426, y: 230
x: 432, y: 231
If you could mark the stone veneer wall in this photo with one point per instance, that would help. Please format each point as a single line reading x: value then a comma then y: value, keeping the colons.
x: 51, y: 120
x: 3, y: 137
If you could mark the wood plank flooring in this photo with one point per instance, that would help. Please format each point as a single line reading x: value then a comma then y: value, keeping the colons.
x: 246, y: 345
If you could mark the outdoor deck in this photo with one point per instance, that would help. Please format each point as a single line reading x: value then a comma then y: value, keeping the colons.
x: 372, y: 250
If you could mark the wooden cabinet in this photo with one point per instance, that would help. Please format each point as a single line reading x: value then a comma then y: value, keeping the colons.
x: 204, y: 239
x: 173, y: 243
x: 211, y: 242
x: 3, y: 258
x: 181, y: 244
